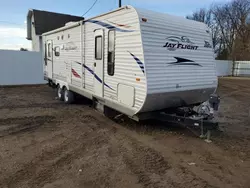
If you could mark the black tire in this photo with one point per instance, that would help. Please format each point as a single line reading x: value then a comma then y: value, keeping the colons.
x: 60, y: 93
x: 69, y: 96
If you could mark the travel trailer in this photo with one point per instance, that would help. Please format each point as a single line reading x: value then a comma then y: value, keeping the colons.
x: 134, y: 61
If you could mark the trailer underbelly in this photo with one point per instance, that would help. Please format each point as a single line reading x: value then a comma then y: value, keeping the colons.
x: 160, y: 101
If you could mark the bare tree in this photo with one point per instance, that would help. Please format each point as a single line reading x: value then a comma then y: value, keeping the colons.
x: 239, y: 13
x: 206, y: 16
x: 230, y: 26
x: 227, y: 32
x: 201, y: 15
x: 232, y: 19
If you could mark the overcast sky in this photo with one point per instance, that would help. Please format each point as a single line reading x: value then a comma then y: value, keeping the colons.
x: 13, y: 13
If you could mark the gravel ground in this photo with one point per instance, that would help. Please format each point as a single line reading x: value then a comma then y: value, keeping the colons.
x: 45, y: 143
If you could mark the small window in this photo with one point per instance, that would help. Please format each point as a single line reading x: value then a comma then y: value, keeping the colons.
x: 58, y: 38
x: 49, y: 49
x: 62, y: 37
x: 57, y: 51
x: 68, y: 35
x: 111, y: 53
x: 45, y: 54
x: 98, y: 48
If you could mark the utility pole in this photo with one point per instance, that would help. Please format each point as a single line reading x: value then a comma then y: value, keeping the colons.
x: 120, y: 3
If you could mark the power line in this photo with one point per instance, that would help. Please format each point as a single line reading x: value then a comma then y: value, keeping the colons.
x: 90, y: 8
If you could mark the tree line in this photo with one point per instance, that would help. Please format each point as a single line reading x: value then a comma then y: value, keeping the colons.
x: 230, y: 28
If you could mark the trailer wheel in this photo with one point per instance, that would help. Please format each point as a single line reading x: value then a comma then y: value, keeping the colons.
x: 69, y: 96
x: 59, y: 92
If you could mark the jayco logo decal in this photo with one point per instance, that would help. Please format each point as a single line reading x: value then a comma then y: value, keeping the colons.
x: 173, y: 43
x: 70, y: 46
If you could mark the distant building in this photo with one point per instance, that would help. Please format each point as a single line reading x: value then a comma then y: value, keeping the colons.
x: 39, y: 22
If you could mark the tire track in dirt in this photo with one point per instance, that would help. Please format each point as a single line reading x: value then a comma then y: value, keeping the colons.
x: 49, y: 173
x: 148, y: 165
x: 153, y: 169
x: 35, y: 105
x: 24, y: 124
x: 147, y: 162
x: 21, y: 120
x: 35, y: 174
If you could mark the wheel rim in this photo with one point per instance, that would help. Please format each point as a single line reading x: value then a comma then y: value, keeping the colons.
x: 59, y: 93
x: 66, y: 97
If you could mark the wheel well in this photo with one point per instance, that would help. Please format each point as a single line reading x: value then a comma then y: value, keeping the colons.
x: 62, y: 84
x: 64, y: 87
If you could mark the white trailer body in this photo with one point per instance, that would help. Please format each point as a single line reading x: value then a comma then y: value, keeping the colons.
x: 133, y: 60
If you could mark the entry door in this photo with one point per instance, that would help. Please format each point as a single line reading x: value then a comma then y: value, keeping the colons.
x: 49, y: 58
x: 99, y: 63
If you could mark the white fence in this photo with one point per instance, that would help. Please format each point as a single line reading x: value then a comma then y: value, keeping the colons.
x: 224, y: 68
x: 228, y: 68
x: 241, y: 68
x: 20, y: 68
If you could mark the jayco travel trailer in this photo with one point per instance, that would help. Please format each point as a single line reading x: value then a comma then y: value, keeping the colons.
x: 132, y: 60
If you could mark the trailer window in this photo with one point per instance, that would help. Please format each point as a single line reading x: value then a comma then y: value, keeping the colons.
x: 98, y: 48
x: 111, y: 53
x: 45, y: 54
x: 57, y: 51
x: 49, y: 49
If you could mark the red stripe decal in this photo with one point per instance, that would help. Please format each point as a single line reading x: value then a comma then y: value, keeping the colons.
x: 75, y: 73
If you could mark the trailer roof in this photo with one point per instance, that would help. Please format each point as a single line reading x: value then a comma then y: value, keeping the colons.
x: 77, y: 23
x: 177, y: 18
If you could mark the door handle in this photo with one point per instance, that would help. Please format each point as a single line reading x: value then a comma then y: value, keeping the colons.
x: 94, y: 64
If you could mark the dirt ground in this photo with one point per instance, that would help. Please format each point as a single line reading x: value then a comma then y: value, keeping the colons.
x: 45, y: 143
